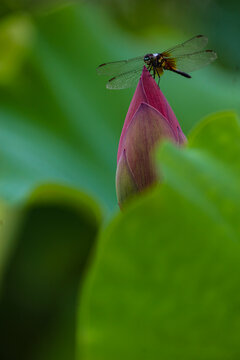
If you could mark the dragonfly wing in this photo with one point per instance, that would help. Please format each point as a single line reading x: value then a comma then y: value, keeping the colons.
x: 191, y: 62
x: 190, y: 46
x: 118, y: 67
x: 125, y: 80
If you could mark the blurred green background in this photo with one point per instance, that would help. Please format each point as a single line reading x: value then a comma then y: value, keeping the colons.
x: 58, y: 122
x: 59, y: 132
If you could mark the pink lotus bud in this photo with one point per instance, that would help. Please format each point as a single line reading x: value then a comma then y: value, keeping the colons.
x: 149, y: 120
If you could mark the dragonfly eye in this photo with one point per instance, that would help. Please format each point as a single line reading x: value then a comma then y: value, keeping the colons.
x: 147, y: 58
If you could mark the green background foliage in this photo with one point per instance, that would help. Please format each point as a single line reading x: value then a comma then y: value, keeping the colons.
x: 163, y: 274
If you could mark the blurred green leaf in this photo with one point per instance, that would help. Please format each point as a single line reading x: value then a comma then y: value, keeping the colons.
x: 8, y: 224
x: 40, y: 283
x: 16, y: 36
x: 164, y: 282
x: 52, y: 123
x: 208, y: 171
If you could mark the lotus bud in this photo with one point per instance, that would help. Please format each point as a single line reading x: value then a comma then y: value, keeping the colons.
x: 149, y: 121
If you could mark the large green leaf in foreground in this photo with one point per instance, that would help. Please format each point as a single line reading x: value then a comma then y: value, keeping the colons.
x: 165, y: 281
x: 46, y: 260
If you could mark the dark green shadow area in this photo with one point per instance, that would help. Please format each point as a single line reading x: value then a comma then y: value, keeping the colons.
x: 41, y: 280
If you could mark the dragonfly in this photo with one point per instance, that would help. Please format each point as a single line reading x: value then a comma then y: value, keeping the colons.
x: 181, y: 59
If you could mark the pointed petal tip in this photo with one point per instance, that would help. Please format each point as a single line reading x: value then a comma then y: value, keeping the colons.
x: 157, y: 100
x: 146, y: 76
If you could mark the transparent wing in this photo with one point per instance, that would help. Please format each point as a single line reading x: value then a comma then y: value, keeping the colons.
x: 119, y: 67
x: 191, y: 62
x: 190, y: 46
x: 125, y: 80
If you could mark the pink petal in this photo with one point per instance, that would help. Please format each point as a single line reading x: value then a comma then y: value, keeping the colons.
x: 138, y: 98
x: 148, y: 92
x: 156, y: 99
x: 147, y: 128
x: 125, y: 184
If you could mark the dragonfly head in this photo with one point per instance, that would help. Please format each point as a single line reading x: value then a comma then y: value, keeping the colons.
x: 148, y: 58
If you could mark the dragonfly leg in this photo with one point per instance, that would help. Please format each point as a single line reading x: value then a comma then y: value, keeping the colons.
x: 149, y: 68
x: 158, y: 76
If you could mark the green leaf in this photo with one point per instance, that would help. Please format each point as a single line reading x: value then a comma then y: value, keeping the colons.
x: 219, y: 134
x: 164, y: 283
x: 208, y: 171
x: 40, y: 283
x: 8, y: 224
x: 16, y: 36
